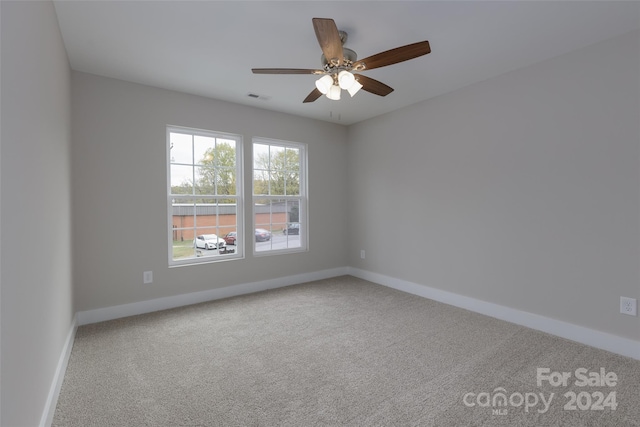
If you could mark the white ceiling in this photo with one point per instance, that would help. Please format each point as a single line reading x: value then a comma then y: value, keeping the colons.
x: 209, y: 47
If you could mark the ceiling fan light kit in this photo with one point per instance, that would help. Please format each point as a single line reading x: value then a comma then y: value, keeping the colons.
x: 324, y: 83
x: 355, y: 87
x: 339, y: 62
x: 334, y: 93
x: 345, y: 79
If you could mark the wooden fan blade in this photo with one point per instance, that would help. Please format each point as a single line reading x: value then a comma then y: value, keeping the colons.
x: 315, y: 94
x: 393, y: 56
x: 285, y: 71
x: 373, y: 85
x: 329, y: 39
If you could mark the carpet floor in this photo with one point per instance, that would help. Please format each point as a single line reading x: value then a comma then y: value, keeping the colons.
x: 338, y: 352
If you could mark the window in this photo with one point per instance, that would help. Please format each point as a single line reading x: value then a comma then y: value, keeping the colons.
x: 204, y: 196
x: 279, y: 196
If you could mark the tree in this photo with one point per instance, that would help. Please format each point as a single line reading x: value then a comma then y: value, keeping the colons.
x: 218, y: 171
x: 215, y: 174
x: 277, y: 171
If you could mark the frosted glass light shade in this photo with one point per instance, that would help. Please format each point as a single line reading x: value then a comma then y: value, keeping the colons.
x: 324, y: 83
x: 354, y: 88
x: 345, y: 79
x: 334, y: 93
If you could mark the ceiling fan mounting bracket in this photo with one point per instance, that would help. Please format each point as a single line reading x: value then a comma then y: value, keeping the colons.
x: 343, y: 36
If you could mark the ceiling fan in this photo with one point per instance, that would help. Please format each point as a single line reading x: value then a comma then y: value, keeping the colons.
x: 339, y: 62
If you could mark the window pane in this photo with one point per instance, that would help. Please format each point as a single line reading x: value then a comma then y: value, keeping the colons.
x: 276, y: 183
x: 292, y: 174
x: 181, y: 148
x: 293, y: 211
x: 273, y: 219
x: 276, y: 155
x: 262, y: 213
x: 293, y: 158
x: 205, y: 180
x: 293, y: 227
x: 260, y: 156
x: 260, y: 182
x: 182, y: 225
x: 207, y: 242
x: 292, y: 180
x: 204, y: 149
x: 181, y: 179
x: 182, y: 249
x: 225, y: 154
x: 226, y: 181
x: 278, y: 170
x: 199, y: 228
x: 230, y: 235
x: 215, y: 181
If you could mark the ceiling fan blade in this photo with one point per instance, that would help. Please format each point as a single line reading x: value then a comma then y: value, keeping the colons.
x: 393, y: 56
x: 286, y: 71
x: 315, y: 94
x: 373, y: 85
x: 329, y: 39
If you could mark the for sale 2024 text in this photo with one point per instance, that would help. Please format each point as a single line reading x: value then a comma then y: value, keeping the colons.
x: 582, y: 377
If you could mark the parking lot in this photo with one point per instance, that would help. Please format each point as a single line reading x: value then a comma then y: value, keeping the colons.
x: 278, y: 241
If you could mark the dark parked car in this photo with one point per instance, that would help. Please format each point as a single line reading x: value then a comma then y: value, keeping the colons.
x: 230, y: 238
x: 293, y: 228
x: 262, y: 235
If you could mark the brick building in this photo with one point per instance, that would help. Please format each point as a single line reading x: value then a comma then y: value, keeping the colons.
x: 222, y: 218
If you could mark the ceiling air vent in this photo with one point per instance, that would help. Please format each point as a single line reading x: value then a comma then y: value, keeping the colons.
x: 256, y: 96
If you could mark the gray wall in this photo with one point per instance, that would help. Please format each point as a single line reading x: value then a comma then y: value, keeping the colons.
x: 36, y: 208
x: 521, y: 190
x: 119, y: 188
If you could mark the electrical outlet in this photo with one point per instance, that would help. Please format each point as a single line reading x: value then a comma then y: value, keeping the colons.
x: 361, y: 253
x: 147, y: 277
x: 628, y: 306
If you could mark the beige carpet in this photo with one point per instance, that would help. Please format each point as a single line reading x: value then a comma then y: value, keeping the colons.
x: 337, y: 352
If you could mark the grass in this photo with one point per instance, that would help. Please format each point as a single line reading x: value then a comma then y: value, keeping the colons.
x: 183, y: 249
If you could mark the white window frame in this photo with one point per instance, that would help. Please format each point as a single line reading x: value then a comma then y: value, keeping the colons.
x: 302, y: 198
x: 239, y: 197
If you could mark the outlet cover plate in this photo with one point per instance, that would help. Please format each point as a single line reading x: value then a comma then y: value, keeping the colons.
x: 628, y: 306
x: 147, y: 277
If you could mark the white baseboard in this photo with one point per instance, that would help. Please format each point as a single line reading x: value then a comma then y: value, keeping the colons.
x: 131, y: 309
x: 581, y: 334
x: 602, y: 340
x: 58, y: 378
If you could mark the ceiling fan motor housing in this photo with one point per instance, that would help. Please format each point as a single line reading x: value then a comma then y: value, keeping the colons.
x: 349, y: 57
